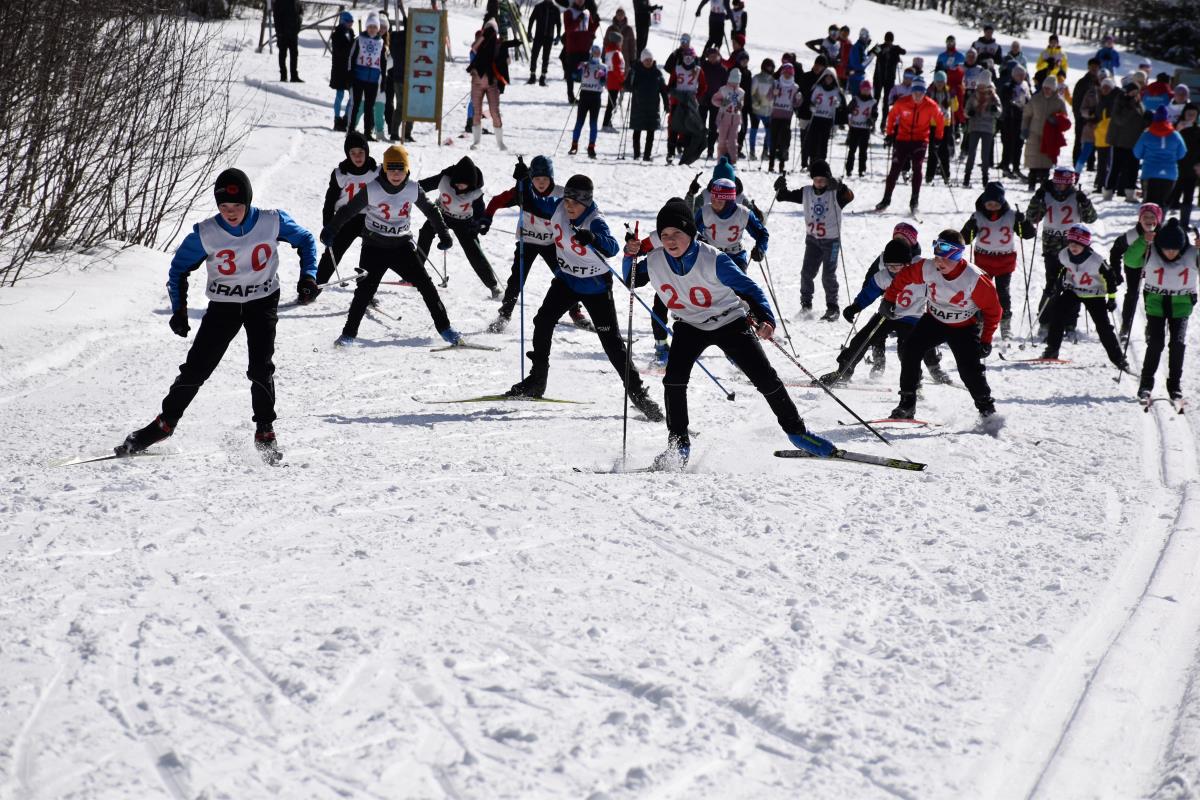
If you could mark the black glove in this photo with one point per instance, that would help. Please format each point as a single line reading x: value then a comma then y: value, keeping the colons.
x: 483, y: 225
x: 308, y: 289
x: 887, y: 308
x: 756, y: 254
x: 697, y: 13
x: 850, y: 312
x: 444, y: 241
x: 179, y: 322
x: 694, y: 187
x: 890, y: 139
x: 520, y: 171
x: 1080, y: 197
x: 584, y: 236
x: 781, y: 184
x: 985, y: 349
x: 1111, y: 305
x: 325, y: 237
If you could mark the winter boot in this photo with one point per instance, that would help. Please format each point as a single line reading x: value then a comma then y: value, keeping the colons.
x: 542, y: 80
x: 642, y: 401
x: 296, y: 78
x: 339, y: 124
x: 883, y: 204
x: 1108, y: 195
x: 661, y: 351
x: 532, y: 79
x: 476, y: 136
x: 574, y: 147
x: 500, y: 139
x: 500, y: 322
x: 534, y: 384
x: 675, y: 457
x: 1005, y: 328
x: 451, y: 337
x: 1131, y: 196
x: 142, y: 438
x: 907, y: 408
x: 811, y: 443
x: 938, y: 374
x: 832, y: 314
x: 878, y: 360
x: 591, y: 151
x: 986, y: 406
x: 265, y: 444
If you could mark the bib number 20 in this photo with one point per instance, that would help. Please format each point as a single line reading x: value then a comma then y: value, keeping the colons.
x: 698, y: 296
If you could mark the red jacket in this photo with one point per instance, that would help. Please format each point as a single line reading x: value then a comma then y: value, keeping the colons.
x: 983, y: 296
x: 579, y: 31
x: 614, y: 62
x: 1053, y: 135
x: 910, y: 122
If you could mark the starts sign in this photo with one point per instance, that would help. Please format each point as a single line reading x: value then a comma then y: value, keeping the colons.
x: 425, y: 64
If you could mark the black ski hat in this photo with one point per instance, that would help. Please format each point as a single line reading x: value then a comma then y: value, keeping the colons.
x: 233, y: 186
x: 1170, y: 236
x: 541, y: 167
x: 579, y: 188
x: 355, y: 139
x: 994, y: 191
x: 466, y: 172
x: 676, y: 214
x: 897, y: 252
x: 820, y: 169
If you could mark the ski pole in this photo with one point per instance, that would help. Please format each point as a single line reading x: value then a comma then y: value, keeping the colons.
x: 775, y: 300
x: 521, y: 259
x: 845, y: 275
x: 445, y: 271
x: 564, y: 130
x: 628, y: 349
x: 445, y: 278
x: 879, y: 319
x: 1124, y: 354
x: 728, y: 394
x: 829, y: 392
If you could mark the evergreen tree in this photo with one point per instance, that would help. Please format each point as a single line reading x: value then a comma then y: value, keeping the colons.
x: 1008, y: 17
x: 1166, y: 29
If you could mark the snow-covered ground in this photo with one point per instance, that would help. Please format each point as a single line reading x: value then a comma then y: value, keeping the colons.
x: 431, y: 603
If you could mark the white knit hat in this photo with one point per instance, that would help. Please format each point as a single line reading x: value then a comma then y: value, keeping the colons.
x: 735, y: 76
x: 647, y: 55
x: 372, y: 19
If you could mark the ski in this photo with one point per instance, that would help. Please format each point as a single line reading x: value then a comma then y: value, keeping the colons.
x: 633, y: 471
x: 1035, y: 360
x: 501, y: 398
x: 861, y: 458
x: 839, y: 387
x: 70, y: 462
x: 916, y: 423
x: 464, y: 346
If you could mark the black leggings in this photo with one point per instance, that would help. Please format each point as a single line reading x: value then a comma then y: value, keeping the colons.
x: 817, y: 136
x: 520, y: 272
x: 1156, y: 338
x: 404, y: 261
x: 560, y: 299
x: 1065, y: 307
x: 858, y: 140
x: 853, y: 352
x: 220, y: 324
x: 963, y: 343
x: 614, y: 102
x: 341, y: 243
x: 468, y: 239
x: 364, y: 100
x: 781, y: 138
x: 543, y: 46
x: 740, y: 344
x: 638, y: 152
x: 1133, y: 293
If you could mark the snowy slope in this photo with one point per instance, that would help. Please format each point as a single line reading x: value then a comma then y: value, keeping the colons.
x: 431, y: 603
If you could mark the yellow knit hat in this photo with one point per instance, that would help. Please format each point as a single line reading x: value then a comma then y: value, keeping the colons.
x: 395, y: 157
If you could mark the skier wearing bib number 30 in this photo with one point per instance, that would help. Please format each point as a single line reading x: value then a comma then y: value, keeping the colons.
x: 238, y: 247
x: 705, y: 291
x: 957, y: 292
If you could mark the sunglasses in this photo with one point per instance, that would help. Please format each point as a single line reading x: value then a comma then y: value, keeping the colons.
x: 948, y: 250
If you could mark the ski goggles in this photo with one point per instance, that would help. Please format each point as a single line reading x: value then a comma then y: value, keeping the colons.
x: 581, y: 196
x: 950, y: 251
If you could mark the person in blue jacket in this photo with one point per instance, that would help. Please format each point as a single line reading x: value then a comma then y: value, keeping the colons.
x: 860, y: 59
x: 1108, y: 56
x: 582, y: 243
x: 708, y: 294
x: 1159, y: 148
x: 239, y: 249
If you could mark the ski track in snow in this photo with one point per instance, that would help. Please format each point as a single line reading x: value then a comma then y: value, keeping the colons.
x: 429, y: 603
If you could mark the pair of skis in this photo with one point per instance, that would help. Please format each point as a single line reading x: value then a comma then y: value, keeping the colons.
x: 836, y: 455
x: 1177, y: 403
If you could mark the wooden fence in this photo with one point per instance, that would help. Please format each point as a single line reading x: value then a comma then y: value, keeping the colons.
x: 1066, y: 20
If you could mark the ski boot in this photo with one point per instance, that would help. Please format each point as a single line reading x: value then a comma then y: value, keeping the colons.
x: 345, y: 340
x: 142, y: 438
x: 986, y: 407
x: 499, y: 323
x: 661, y: 351
x: 878, y: 361
x: 835, y: 378
x: 451, y: 337
x: 882, y: 205
x: 675, y: 457
x: 496, y: 293
x: 907, y: 408
x: 642, y: 401
x: 579, y: 320
x: 591, y: 151
x: 811, y: 443
x: 534, y: 384
x: 939, y: 375
x: 574, y: 147
x: 832, y: 314
x: 265, y: 444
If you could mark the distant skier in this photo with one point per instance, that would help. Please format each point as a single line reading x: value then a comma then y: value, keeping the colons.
x: 238, y: 248
x: 1060, y: 205
x: 1086, y: 280
x: 1170, y: 293
x: 823, y: 201
x: 707, y: 294
x: 349, y: 178
x: 460, y: 197
x: 992, y: 231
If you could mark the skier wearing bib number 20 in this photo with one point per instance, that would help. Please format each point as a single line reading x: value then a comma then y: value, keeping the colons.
x: 238, y: 247
x: 957, y: 292
x: 705, y: 290
x: 583, y: 243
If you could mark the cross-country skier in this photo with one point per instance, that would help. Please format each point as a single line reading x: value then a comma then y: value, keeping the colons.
x: 861, y: 114
x: 239, y: 249
x: 349, y: 178
x: 1131, y: 249
x: 785, y: 99
x: 823, y: 201
x: 718, y: 12
x: 826, y: 102
x: 537, y: 235
x: 591, y: 75
x: 583, y: 243
x: 1061, y: 204
x: 909, y: 309
x: 707, y: 294
x: 387, y: 242
x: 992, y: 231
x: 722, y: 220
x: 958, y: 292
x: 1086, y: 280
x: 460, y: 197
x: 910, y: 123
x: 887, y: 60
x: 1170, y: 293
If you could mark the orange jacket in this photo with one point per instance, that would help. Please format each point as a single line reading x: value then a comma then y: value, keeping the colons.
x: 909, y: 121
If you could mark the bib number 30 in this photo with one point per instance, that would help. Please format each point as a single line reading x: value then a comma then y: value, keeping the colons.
x: 260, y: 256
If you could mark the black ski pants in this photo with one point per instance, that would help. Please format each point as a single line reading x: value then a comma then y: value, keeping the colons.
x: 939, y: 160
x: 858, y: 140
x: 408, y: 264
x: 1157, y: 329
x: 560, y: 299
x: 341, y: 243
x: 963, y: 343
x: 541, y: 45
x: 818, y: 133
x: 364, y: 100
x: 1133, y: 293
x: 1065, y: 307
x: 740, y: 345
x: 904, y: 154
x: 220, y: 324
x: 521, y: 269
x: 781, y: 138
x: 465, y: 231
x: 288, y: 43
x: 857, y: 348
